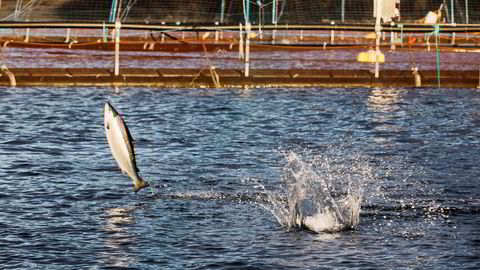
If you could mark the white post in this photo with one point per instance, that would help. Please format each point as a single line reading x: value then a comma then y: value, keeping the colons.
x: 378, y: 29
x: 248, y: 28
x: 27, y: 35
x: 240, y: 45
x: 342, y: 36
x: 67, y: 38
x: 453, y: 34
x: 466, y: 10
x: 260, y: 9
x: 451, y: 9
x: 466, y: 13
x: 222, y: 11
x: 332, y: 34
x: 274, y: 12
x: 392, y: 37
x: 105, y: 33
x: 216, y: 32
x: 274, y: 19
x: 452, y: 20
x: 118, y: 25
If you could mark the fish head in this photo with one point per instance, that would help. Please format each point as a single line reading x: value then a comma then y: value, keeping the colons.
x: 109, y: 113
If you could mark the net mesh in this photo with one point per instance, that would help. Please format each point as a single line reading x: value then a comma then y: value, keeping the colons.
x: 228, y: 11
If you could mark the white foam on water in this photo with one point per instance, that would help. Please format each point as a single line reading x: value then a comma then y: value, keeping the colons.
x: 323, y: 191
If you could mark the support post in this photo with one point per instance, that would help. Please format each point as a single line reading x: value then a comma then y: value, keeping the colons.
x: 274, y: 20
x: 260, y: 18
x: 332, y: 33
x: 274, y: 12
x: 222, y: 11
x: 378, y: 29
x: 27, y: 35
x: 466, y: 14
x: 453, y: 34
x: 67, y: 38
x: 453, y: 20
x: 118, y: 25
x: 451, y: 10
x: 466, y: 11
x: 392, y: 37
x: 105, y: 33
x: 248, y: 28
x: 240, y: 45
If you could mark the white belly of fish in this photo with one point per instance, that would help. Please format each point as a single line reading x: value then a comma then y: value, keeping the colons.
x: 119, y: 148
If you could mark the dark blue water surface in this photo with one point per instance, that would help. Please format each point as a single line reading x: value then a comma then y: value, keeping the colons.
x: 216, y: 161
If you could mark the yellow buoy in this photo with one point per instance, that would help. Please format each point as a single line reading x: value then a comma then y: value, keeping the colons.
x: 370, y: 57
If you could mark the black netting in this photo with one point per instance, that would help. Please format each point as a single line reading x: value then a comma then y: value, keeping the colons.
x: 228, y: 11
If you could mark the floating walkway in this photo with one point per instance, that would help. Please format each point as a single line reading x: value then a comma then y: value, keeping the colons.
x: 234, y: 78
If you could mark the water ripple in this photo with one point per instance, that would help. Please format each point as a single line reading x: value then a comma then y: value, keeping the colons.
x: 214, y: 160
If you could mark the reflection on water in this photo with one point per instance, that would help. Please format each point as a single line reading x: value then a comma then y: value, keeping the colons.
x: 118, y: 238
x: 384, y: 105
x: 384, y: 100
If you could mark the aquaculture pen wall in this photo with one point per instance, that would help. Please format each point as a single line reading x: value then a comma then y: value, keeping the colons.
x: 203, y: 43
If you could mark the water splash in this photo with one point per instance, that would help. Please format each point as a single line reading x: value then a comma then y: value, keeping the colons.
x: 323, y: 191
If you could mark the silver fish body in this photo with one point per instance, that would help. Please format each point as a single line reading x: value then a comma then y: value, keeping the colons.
x: 121, y: 144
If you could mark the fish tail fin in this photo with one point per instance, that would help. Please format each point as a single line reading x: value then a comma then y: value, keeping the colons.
x: 139, y: 184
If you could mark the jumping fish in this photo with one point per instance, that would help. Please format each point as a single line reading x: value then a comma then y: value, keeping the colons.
x: 121, y: 145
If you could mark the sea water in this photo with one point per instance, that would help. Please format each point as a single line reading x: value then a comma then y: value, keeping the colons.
x: 250, y: 178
